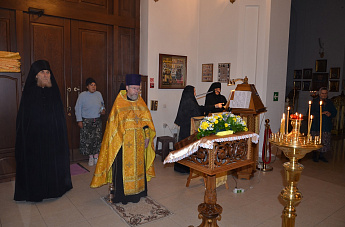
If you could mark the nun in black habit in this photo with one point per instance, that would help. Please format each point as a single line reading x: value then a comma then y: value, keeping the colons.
x: 188, y: 108
x: 214, y: 98
x: 41, y: 150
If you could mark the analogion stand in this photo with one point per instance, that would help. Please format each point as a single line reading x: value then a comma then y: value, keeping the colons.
x: 251, y: 115
x: 212, y: 155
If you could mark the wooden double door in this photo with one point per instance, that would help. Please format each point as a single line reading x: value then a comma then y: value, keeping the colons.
x: 75, y: 50
x: 80, y: 39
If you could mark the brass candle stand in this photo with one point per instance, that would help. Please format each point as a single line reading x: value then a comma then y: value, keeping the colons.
x: 294, y: 146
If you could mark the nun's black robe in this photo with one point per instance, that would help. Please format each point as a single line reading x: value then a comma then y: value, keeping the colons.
x: 41, y: 150
x: 213, y: 99
x: 187, y: 109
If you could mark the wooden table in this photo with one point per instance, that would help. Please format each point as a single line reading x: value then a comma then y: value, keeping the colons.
x: 211, y: 155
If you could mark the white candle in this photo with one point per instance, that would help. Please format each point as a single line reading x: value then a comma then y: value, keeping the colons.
x: 309, y: 124
x: 320, y: 120
x: 309, y: 115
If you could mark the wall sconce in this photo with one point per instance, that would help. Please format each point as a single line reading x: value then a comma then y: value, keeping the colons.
x: 233, y: 81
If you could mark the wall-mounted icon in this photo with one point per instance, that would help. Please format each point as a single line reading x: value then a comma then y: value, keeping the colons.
x: 154, y: 105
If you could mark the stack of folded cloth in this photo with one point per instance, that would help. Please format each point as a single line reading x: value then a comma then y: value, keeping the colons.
x: 9, y: 61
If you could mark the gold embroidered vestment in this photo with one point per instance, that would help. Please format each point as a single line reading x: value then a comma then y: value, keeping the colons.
x: 125, y: 129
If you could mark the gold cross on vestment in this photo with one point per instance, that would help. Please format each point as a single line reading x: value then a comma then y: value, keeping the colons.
x: 136, y: 119
x: 129, y: 144
x: 129, y: 164
x: 141, y: 143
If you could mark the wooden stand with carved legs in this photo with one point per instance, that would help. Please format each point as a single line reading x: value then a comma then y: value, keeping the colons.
x: 210, y: 211
x: 231, y: 152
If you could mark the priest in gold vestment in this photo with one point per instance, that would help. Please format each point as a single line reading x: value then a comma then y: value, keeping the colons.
x: 127, y: 152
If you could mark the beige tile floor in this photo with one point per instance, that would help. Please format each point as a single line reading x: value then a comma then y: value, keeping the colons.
x: 322, y: 185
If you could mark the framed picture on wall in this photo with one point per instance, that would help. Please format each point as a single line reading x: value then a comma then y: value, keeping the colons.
x: 306, y: 85
x: 333, y: 86
x: 321, y: 65
x: 172, y: 71
x: 224, y: 72
x: 207, y: 73
x: 297, y: 85
x: 307, y: 73
x: 334, y: 73
x: 319, y: 80
x: 297, y: 74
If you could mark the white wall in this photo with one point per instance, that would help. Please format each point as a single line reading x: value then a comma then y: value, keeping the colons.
x: 277, y: 59
x: 172, y: 28
x: 216, y: 31
x: 218, y: 41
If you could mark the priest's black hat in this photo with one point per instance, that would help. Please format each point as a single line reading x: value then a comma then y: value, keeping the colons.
x: 133, y: 79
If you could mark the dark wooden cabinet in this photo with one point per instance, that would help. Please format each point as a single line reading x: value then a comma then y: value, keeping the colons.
x: 80, y: 39
x: 10, y: 93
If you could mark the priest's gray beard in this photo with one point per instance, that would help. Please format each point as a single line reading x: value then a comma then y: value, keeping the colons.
x: 44, y: 83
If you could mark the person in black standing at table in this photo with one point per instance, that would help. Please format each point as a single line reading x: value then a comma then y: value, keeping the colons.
x: 41, y: 150
x: 328, y: 112
x: 188, y: 108
x: 214, y: 98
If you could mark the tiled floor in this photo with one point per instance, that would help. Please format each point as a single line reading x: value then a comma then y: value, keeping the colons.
x: 322, y: 185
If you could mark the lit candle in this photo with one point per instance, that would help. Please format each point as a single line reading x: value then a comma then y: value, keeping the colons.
x: 282, y: 125
x: 287, y: 120
x: 320, y: 120
x: 309, y: 116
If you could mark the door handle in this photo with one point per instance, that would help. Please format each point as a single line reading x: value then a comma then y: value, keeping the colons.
x: 67, y: 101
x: 77, y: 89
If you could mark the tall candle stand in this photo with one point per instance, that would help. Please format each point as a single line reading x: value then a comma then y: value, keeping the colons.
x: 294, y: 146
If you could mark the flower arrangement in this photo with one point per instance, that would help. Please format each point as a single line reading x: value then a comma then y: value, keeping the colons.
x: 221, y: 122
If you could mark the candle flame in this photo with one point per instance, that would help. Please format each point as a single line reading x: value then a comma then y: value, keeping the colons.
x: 288, y: 107
x: 311, y: 116
x: 320, y: 103
x: 309, y: 102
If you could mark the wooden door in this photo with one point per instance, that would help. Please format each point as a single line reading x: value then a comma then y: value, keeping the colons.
x: 75, y: 50
x: 91, y: 57
x: 48, y: 38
